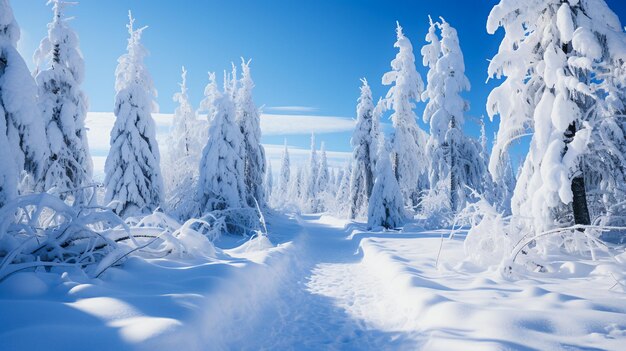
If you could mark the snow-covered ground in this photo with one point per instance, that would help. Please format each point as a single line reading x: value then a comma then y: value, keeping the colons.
x: 322, y: 284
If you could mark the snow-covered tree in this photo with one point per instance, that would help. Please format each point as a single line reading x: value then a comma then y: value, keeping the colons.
x: 8, y: 171
x: 342, y: 203
x: 297, y: 186
x: 323, y: 175
x: 332, y: 182
x: 558, y: 58
x: 133, y: 176
x: 250, y: 124
x: 268, y: 182
x: 339, y: 177
x: 24, y: 130
x: 386, y: 205
x: 364, y: 146
x: 455, y: 160
x: 499, y: 192
x: 181, y: 143
x: 221, y: 185
x: 231, y: 83
x: 60, y: 72
x: 311, y: 200
x: 211, y: 93
x: 408, y: 143
x: 285, y: 172
x: 185, y: 142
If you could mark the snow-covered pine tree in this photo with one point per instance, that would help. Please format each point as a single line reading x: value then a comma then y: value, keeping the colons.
x: 455, y: 160
x: 310, y: 197
x: 408, y: 142
x: 605, y: 172
x: 364, y: 143
x: 332, y: 181
x: 181, y: 143
x: 497, y: 192
x: 557, y: 57
x: 221, y: 185
x: 8, y: 171
x: 231, y: 83
x: 250, y: 124
x: 185, y: 141
x: 9, y: 145
x: 296, y: 187
x: 60, y: 72
x: 211, y: 93
x: 285, y: 172
x: 268, y: 182
x: 23, y: 126
x: 323, y: 175
x: 342, y: 203
x: 132, y: 171
x: 386, y: 205
x: 339, y: 178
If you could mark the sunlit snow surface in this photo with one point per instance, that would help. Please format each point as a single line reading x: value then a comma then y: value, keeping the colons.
x: 318, y: 284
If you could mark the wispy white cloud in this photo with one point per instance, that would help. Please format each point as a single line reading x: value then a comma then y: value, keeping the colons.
x: 274, y: 124
x: 299, y: 109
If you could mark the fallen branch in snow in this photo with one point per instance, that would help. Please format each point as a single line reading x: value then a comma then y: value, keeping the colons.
x: 573, y: 230
x: 41, y: 230
x: 617, y: 282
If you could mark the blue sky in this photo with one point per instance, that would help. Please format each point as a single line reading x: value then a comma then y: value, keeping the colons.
x: 304, y: 53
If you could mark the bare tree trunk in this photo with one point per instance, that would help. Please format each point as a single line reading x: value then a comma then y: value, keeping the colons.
x: 354, y: 195
x: 453, y: 181
x: 579, y: 202
x: 453, y: 171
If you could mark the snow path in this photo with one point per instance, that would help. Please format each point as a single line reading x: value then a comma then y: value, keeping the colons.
x: 310, y: 311
x: 348, y: 289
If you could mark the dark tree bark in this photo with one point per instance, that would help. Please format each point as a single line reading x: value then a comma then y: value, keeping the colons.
x: 579, y: 202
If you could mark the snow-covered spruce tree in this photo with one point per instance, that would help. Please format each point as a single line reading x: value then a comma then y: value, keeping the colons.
x: 23, y: 126
x: 310, y: 196
x: 342, y: 203
x: 558, y: 58
x: 180, y: 141
x: 132, y: 171
x: 285, y: 173
x: 296, y: 188
x: 364, y: 143
x: 497, y: 192
x: 408, y: 142
x: 323, y: 175
x: 231, y: 83
x: 605, y: 172
x: 8, y: 171
x: 184, y: 146
x: 60, y: 72
x: 339, y: 177
x: 221, y: 185
x: 211, y: 93
x: 250, y: 124
x: 455, y: 160
x: 386, y: 205
x: 332, y: 181
x: 268, y: 182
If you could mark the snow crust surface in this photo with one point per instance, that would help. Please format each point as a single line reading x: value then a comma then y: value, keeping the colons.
x: 318, y: 283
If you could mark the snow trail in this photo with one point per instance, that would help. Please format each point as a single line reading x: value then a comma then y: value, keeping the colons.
x: 310, y: 309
